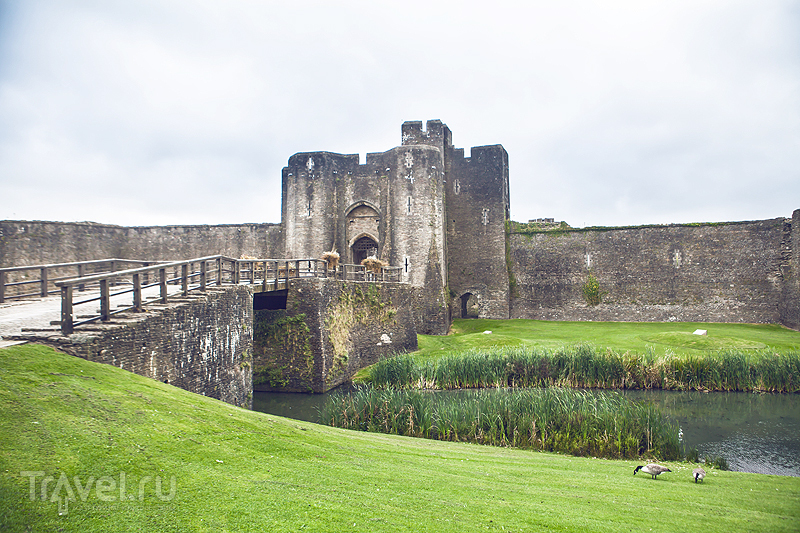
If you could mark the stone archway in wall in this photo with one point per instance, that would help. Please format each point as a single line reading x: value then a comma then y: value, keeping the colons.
x: 469, y: 306
x: 363, y: 225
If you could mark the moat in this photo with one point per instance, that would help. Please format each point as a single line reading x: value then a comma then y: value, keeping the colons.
x: 757, y: 433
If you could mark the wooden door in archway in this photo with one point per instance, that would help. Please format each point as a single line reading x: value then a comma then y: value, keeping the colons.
x: 363, y: 248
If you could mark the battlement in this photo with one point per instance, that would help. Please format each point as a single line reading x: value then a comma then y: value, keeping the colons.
x: 436, y: 133
x: 318, y: 164
x: 479, y: 154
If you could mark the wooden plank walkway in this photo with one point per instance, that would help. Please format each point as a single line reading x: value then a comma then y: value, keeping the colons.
x: 44, y: 314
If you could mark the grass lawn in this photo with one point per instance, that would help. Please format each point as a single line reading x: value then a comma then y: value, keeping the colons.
x: 661, y: 337
x: 239, y: 470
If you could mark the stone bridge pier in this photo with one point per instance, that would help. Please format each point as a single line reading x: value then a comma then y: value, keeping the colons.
x: 317, y: 333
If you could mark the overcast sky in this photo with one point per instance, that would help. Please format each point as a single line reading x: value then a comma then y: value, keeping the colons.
x: 613, y: 113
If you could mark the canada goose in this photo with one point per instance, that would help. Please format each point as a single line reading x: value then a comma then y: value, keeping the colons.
x: 652, y: 469
x: 698, y: 474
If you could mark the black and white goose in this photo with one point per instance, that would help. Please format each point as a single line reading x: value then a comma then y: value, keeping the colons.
x: 698, y: 474
x: 652, y: 469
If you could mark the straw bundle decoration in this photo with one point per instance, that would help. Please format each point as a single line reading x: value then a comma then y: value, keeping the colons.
x: 373, y: 264
x: 332, y: 258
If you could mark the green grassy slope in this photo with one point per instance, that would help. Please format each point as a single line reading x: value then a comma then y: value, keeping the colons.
x: 661, y: 337
x: 238, y: 470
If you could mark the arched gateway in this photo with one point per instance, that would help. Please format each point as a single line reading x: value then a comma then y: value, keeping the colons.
x: 363, y: 248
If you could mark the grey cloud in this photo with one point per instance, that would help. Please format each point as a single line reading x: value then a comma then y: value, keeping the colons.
x: 185, y: 112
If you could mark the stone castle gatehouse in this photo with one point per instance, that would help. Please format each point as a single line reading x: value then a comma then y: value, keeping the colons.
x: 422, y: 206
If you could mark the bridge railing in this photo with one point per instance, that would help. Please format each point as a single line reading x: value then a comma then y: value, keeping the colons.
x: 362, y: 273
x: 145, y: 285
x: 155, y: 284
x: 41, y: 280
x: 271, y: 271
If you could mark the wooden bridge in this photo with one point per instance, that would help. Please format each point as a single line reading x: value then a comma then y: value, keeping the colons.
x: 117, y: 288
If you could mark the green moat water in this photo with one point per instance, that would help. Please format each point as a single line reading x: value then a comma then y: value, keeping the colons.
x: 757, y: 433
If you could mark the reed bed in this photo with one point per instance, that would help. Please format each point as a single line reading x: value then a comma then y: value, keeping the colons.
x: 584, y: 366
x: 554, y: 419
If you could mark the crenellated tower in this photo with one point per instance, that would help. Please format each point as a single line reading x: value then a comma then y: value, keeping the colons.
x: 422, y: 206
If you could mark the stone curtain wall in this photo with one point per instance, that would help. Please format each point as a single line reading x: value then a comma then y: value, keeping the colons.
x: 202, y: 344
x: 708, y: 272
x: 256, y: 240
x: 33, y: 242
x: 681, y: 272
x: 329, y: 330
x: 790, y: 303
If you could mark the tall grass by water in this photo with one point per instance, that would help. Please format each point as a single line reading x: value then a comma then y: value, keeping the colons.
x: 585, y: 366
x: 548, y: 419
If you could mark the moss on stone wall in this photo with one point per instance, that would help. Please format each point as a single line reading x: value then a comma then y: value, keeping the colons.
x: 283, y: 349
x: 355, y: 306
x: 555, y: 230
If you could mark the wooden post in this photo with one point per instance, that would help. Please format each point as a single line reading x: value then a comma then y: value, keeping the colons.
x: 137, y: 293
x: 105, y: 300
x: 203, y: 267
x: 44, y: 282
x: 66, y: 310
x: 184, y: 279
x: 237, y: 272
x: 2, y: 287
x: 80, y: 275
x: 162, y: 282
x: 219, y: 271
